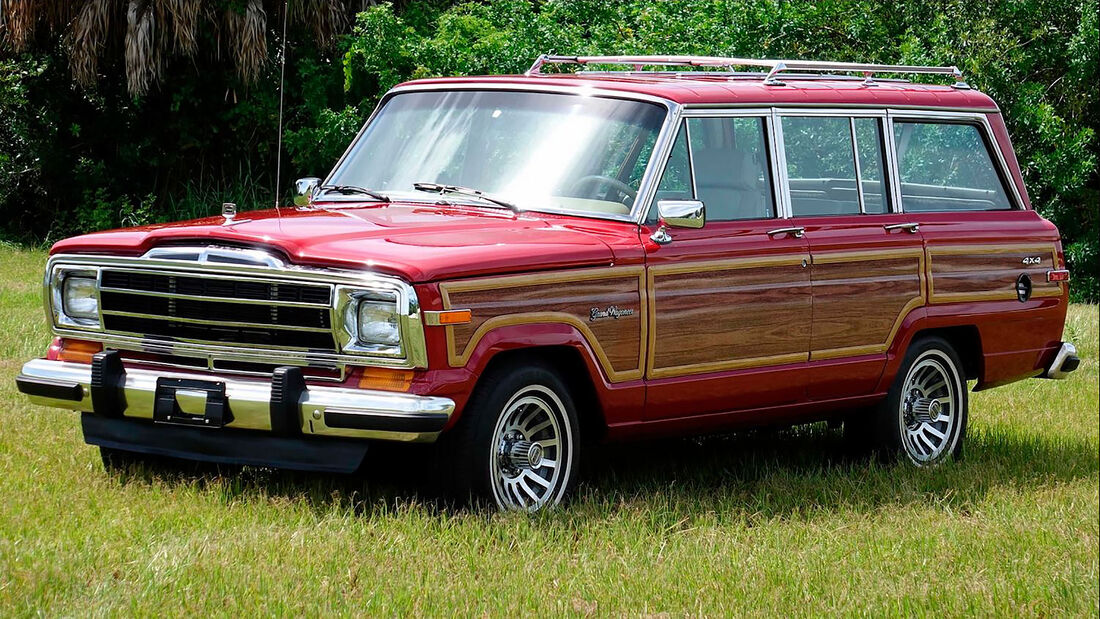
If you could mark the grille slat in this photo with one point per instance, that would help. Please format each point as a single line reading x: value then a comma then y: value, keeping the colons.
x: 218, y: 287
x: 219, y: 310
x: 216, y: 323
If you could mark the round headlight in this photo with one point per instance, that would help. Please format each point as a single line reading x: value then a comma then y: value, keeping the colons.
x: 377, y: 323
x: 78, y: 298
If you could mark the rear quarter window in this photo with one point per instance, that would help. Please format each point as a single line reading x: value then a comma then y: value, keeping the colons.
x: 946, y: 167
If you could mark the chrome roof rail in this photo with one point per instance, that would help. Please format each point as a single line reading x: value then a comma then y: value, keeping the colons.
x: 775, y: 67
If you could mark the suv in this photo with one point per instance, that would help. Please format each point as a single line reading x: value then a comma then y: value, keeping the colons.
x: 510, y: 266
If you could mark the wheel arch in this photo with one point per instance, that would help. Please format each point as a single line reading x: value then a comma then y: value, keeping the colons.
x: 967, y: 342
x: 571, y: 366
x: 965, y: 339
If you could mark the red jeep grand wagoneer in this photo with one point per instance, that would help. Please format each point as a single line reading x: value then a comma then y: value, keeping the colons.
x: 510, y: 266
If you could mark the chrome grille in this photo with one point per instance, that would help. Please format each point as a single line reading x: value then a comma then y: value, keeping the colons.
x: 234, y: 309
x: 219, y: 310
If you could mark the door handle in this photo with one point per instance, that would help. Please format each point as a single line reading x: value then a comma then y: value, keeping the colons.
x: 795, y: 231
x: 912, y: 228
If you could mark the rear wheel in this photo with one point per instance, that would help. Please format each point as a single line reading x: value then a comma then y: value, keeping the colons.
x: 516, y: 443
x: 924, y: 416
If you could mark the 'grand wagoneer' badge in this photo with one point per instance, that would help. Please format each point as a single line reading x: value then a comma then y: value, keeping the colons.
x: 612, y: 311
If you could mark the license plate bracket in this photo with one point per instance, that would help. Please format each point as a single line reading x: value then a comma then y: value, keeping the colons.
x: 167, y: 409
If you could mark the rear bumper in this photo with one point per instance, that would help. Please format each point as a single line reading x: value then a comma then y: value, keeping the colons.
x: 1065, y: 361
x: 282, y: 406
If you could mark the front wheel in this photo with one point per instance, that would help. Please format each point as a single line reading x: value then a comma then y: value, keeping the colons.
x: 517, y: 441
x: 925, y: 413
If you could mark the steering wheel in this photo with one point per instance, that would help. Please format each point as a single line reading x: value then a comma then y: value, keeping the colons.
x: 600, y: 180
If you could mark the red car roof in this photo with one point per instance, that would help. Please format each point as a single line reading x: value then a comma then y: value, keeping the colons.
x: 701, y: 89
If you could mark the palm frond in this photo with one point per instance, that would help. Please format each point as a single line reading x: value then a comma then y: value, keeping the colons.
x: 88, y: 38
x: 248, y: 39
x: 141, y: 60
x: 149, y: 32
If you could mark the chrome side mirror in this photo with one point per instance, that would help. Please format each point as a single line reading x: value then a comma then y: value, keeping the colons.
x: 304, y: 188
x: 678, y: 214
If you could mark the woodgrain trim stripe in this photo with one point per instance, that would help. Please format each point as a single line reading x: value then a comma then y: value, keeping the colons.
x: 989, y: 295
x: 706, y: 267
x: 917, y: 301
x: 458, y: 358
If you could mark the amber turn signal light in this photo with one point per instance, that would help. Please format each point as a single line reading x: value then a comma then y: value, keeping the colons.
x: 448, y: 317
x: 78, y: 351
x: 385, y: 379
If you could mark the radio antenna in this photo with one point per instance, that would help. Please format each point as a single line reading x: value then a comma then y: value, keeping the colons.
x: 282, y: 84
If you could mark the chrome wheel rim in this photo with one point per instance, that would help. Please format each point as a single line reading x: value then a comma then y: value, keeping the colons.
x: 930, y: 408
x: 531, y: 451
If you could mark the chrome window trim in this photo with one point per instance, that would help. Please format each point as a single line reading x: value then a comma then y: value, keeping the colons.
x: 855, y: 160
x: 652, y: 202
x: 781, y: 164
x: 414, y: 353
x: 985, y: 131
x: 646, y: 188
x: 892, y: 171
x: 724, y: 112
x: 873, y: 107
x: 691, y: 164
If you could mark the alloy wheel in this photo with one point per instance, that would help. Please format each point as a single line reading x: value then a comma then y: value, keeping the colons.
x: 532, y: 452
x: 930, y: 408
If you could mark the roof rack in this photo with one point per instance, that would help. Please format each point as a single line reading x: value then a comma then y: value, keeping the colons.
x: 775, y: 67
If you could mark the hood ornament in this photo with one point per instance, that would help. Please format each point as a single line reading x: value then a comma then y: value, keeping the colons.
x: 229, y: 212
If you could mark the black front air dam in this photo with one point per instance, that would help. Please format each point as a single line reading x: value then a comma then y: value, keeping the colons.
x: 225, y: 446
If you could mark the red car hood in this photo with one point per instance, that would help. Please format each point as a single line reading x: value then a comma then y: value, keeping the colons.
x: 418, y: 242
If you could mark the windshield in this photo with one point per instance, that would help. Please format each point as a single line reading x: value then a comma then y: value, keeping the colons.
x: 539, y: 151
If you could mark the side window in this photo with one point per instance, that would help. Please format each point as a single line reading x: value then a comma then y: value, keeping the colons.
x: 872, y: 157
x: 821, y: 170
x: 676, y: 179
x: 835, y: 165
x: 730, y: 159
x: 946, y: 167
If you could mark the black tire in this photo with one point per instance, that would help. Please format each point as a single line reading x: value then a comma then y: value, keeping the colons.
x: 480, y: 453
x: 924, y: 417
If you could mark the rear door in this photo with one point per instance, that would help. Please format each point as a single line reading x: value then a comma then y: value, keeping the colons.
x: 867, y: 273
x: 987, y: 252
x: 729, y: 302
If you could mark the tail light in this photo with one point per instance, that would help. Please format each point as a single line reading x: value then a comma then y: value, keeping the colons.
x: 1059, y: 275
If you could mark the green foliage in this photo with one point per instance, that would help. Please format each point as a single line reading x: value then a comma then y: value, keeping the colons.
x: 69, y: 160
x: 1036, y: 59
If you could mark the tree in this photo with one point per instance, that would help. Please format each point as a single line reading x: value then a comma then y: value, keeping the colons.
x: 142, y: 35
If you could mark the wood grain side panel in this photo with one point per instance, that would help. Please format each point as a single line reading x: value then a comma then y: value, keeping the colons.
x: 566, y: 298
x: 729, y: 315
x: 861, y: 298
x: 989, y: 272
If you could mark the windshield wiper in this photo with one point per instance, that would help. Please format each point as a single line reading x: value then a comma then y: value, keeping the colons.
x: 464, y: 191
x: 351, y: 189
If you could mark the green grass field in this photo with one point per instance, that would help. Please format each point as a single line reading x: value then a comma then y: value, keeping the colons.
x: 759, y: 524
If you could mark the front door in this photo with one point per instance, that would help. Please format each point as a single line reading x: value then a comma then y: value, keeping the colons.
x: 729, y: 302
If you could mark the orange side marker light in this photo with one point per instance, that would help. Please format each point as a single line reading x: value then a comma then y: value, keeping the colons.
x: 447, y: 317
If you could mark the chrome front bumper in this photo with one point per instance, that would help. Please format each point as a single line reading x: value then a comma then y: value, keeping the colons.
x: 287, y: 408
